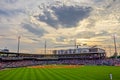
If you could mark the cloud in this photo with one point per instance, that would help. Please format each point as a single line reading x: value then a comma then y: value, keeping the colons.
x: 34, y: 30
x: 91, y: 34
x: 102, y: 33
x: 4, y: 13
x: 10, y: 1
x: 58, y: 23
x: 10, y: 13
x: 64, y: 16
x: 60, y: 38
x: 12, y: 16
x: 86, y: 34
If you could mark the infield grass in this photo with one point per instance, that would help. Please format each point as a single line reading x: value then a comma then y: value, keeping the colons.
x: 80, y: 73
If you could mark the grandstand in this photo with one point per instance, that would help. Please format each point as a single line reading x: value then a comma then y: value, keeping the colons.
x: 68, y: 56
x: 80, y: 53
x: 62, y: 64
x: 79, y: 56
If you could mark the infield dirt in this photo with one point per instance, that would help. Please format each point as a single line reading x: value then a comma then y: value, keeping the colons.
x: 56, y: 66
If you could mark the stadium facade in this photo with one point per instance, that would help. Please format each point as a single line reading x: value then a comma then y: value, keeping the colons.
x: 79, y: 53
x: 79, y: 56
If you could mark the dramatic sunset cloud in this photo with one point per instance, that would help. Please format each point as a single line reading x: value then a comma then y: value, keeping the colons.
x: 59, y: 23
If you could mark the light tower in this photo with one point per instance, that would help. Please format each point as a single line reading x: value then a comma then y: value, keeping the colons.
x: 18, y: 44
x: 45, y: 47
x: 115, y: 54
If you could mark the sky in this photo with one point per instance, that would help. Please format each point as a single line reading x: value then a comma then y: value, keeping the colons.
x: 59, y: 23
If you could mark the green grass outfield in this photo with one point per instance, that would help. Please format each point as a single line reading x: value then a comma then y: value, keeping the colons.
x: 80, y: 73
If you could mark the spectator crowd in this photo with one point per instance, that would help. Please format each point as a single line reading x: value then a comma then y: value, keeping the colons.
x: 23, y: 63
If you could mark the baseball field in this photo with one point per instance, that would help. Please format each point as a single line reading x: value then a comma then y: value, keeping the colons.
x: 61, y: 72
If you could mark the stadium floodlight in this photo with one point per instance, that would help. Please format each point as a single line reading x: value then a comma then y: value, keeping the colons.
x: 45, y: 47
x: 114, y: 38
x: 18, y: 44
